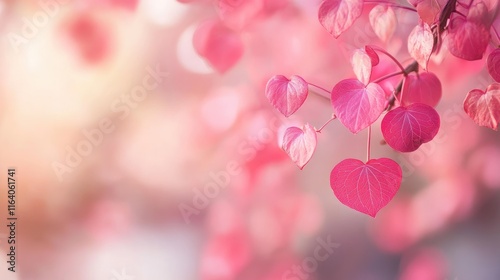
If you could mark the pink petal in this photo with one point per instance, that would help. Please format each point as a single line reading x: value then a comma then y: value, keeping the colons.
x: 361, y: 65
x: 338, y: 15
x: 286, y: 95
x: 221, y: 46
x: 368, y: 187
x: 422, y: 88
x: 494, y: 64
x: 406, y: 128
x: 383, y: 21
x: 420, y: 44
x: 357, y: 106
x: 468, y: 39
x: 300, y: 144
x: 484, y: 107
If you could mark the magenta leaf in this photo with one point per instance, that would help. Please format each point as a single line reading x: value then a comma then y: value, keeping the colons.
x: 428, y: 10
x: 361, y: 64
x: 373, y: 55
x: 357, y: 106
x: 484, y: 107
x: 383, y: 21
x: 406, y: 128
x: 300, y: 144
x: 218, y: 44
x: 422, y: 88
x: 421, y: 43
x: 286, y: 95
x: 368, y: 187
x: 338, y: 15
x: 494, y: 64
x: 468, y: 38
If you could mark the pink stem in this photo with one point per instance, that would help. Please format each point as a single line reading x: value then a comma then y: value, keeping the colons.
x: 387, y: 77
x: 329, y: 121
x: 394, y: 5
x: 368, y: 144
x: 389, y: 55
x: 325, y: 93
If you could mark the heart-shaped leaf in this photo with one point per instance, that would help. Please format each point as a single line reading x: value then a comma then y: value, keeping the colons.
x: 421, y: 43
x: 494, y: 64
x: 221, y: 46
x: 373, y: 55
x: 468, y: 38
x: 300, y: 144
x: 428, y: 10
x: 286, y: 95
x: 406, y: 128
x: 357, y: 106
x: 422, y: 88
x: 361, y: 64
x: 368, y: 187
x: 383, y: 21
x: 484, y: 107
x: 338, y: 15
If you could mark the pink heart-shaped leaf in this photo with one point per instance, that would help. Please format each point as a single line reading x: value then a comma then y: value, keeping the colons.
x: 221, y: 46
x: 468, y: 38
x: 286, y: 95
x: 421, y: 43
x: 428, y: 10
x: 484, y: 107
x: 361, y: 64
x: 357, y: 106
x: 368, y: 187
x: 338, y: 15
x: 406, y: 128
x: 494, y: 64
x: 300, y: 144
x: 373, y: 55
x: 422, y: 88
x: 383, y: 21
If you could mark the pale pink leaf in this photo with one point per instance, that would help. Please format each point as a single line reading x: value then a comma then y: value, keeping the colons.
x: 300, y: 144
x: 484, y: 107
x: 368, y: 187
x: 286, y: 95
x: 494, y: 64
x: 357, y: 106
x: 468, y: 38
x: 422, y: 88
x: 362, y: 65
x: 338, y: 15
x: 421, y: 43
x: 383, y: 21
x: 220, y: 46
x: 405, y: 129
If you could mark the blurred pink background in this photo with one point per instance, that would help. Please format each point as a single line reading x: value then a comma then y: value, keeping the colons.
x: 137, y: 160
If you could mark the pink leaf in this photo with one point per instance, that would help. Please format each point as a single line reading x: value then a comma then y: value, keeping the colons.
x: 300, y: 144
x: 286, y: 95
x: 362, y: 65
x: 468, y: 38
x: 356, y: 105
x: 383, y: 21
x: 406, y: 128
x: 494, y: 64
x: 368, y: 187
x: 422, y: 88
x: 484, y: 107
x: 428, y: 11
x: 338, y: 15
x: 219, y: 45
x: 237, y: 14
x: 373, y: 55
x: 420, y: 44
